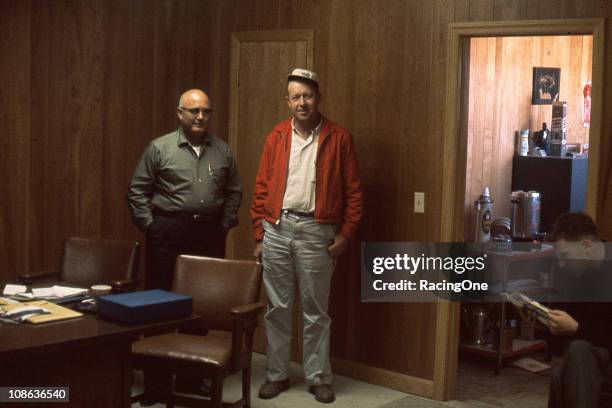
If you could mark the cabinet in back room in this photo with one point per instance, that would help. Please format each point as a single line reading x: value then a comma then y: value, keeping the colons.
x: 561, y: 181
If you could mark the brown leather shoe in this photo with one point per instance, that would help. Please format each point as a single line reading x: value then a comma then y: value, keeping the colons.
x: 323, y: 393
x: 271, y: 389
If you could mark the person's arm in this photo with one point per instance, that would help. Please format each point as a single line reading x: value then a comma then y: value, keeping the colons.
x: 353, y: 196
x: 260, y: 195
x: 353, y: 199
x: 595, y: 329
x: 233, y: 196
x: 141, y: 188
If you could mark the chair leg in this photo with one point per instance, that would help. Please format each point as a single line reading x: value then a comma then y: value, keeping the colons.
x: 216, y: 393
x: 246, y: 385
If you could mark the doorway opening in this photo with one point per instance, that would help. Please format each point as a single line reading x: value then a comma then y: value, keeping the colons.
x: 455, y: 153
x: 457, y: 108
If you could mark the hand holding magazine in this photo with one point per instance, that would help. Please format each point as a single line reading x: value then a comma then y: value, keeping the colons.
x: 526, y: 304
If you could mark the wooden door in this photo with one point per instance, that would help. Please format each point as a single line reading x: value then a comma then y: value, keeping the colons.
x: 261, y: 61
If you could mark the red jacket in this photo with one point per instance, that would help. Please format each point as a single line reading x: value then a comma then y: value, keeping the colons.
x: 338, y: 196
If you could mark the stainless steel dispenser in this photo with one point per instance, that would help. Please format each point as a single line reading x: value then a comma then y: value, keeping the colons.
x: 525, y: 214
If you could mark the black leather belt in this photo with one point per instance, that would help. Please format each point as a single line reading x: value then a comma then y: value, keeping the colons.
x: 298, y: 214
x: 183, y: 214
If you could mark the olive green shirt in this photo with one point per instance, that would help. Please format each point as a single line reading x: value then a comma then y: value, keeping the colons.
x: 170, y: 176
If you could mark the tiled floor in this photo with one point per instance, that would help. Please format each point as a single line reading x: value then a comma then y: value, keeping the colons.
x: 477, y: 387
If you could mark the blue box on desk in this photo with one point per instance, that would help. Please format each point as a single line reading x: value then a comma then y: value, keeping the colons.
x: 145, y: 306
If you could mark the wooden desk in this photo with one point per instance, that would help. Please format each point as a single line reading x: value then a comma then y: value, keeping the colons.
x: 87, y: 354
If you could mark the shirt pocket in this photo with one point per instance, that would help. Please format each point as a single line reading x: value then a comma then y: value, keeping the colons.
x: 219, y: 176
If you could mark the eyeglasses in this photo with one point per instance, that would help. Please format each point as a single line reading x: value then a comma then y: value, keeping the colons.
x: 196, y: 111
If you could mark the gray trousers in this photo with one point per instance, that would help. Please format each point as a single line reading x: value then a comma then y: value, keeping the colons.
x: 295, y: 252
x: 577, y: 382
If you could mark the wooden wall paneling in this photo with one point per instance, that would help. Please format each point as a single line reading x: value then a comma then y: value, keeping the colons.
x: 67, y: 193
x: 549, y: 9
x: 266, y: 14
x: 575, y: 87
x: 38, y: 221
x: 88, y: 98
x: 509, y: 9
x: 461, y: 10
x: 386, y: 75
x: 291, y: 14
x: 128, y: 125
x: 358, y: 50
x: 376, y: 47
x: 332, y: 59
x: 176, y: 39
x: 478, y: 57
x: 482, y: 10
x: 220, y: 18
x: 532, y: 10
x: 511, y: 117
x: 15, y: 63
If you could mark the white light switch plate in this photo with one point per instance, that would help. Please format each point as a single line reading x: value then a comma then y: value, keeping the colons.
x: 419, y: 202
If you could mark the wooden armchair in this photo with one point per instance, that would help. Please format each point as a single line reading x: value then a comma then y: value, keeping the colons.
x: 88, y: 261
x: 225, y: 295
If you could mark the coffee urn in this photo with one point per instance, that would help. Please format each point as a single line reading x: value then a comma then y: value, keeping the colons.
x: 525, y: 214
x: 484, y: 217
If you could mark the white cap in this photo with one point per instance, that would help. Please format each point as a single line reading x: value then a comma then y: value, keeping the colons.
x: 300, y: 73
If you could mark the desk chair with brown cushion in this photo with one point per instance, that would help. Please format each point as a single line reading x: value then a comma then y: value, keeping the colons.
x: 91, y: 261
x: 225, y: 295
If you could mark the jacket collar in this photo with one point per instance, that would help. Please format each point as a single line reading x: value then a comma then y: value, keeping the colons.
x: 285, y: 130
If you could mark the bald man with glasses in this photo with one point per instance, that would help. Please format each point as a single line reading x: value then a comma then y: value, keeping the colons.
x: 185, y: 192
x: 184, y: 196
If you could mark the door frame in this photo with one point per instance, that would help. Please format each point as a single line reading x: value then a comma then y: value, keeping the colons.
x: 256, y: 36
x: 455, y: 151
x: 455, y: 135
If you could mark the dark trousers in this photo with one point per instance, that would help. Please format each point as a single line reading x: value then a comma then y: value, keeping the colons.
x: 169, y: 236
x: 577, y: 382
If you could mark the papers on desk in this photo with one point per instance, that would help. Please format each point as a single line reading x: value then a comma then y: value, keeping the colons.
x: 35, y: 312
x: 10, y: 290
x: 57, y: 292
x: 21, y: 313
x: 7, y: 301
x: 49, y: 293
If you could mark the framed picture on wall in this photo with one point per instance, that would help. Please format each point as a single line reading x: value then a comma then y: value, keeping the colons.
x: 546, y: 85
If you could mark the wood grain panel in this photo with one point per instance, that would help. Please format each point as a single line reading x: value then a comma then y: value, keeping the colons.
x: 68, y: 151
x: 500, y: 105
x: 128, y: 103
x: 177, y: 38
x: 15, y: 130
x: 39, y: 85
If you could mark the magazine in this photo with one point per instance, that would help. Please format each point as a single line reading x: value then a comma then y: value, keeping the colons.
x: 525, y: 303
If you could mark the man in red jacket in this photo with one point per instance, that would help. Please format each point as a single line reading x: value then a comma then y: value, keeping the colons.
x: 306, y: 207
